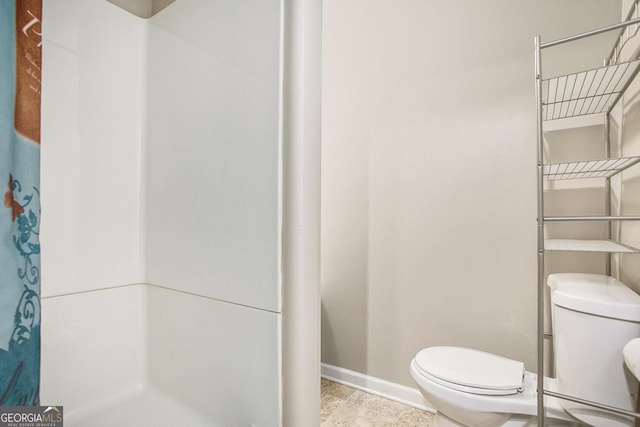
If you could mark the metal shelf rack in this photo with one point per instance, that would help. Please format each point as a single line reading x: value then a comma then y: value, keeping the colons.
x: 590, y: 93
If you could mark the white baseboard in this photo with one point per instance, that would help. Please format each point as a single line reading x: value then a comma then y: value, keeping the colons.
x: 397, y: 392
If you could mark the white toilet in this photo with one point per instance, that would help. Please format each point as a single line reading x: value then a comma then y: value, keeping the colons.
x: 594, y: 317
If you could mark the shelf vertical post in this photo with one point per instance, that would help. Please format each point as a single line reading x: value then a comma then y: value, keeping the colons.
x: 540, y: 144
x: 607, y: 188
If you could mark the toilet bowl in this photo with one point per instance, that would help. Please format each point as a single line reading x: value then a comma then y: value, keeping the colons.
x: 473, y: 388
x: 593, y: 318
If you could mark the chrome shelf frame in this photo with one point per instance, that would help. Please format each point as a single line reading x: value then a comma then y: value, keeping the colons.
x: 626, y: 33
x: 598, y: 405
x: 592, y: 218
x: 583, y: 93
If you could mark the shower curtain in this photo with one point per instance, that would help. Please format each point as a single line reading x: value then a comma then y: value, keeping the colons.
x: 20, y: 72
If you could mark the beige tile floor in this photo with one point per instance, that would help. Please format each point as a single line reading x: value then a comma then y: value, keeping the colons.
x: 343, y: 406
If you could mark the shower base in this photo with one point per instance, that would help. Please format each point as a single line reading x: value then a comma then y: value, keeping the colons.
x: 143, y: 355
x: 147, y: 407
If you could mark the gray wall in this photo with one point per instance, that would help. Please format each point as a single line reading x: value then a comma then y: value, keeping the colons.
x: 428, y: 188
x: 627, y: 187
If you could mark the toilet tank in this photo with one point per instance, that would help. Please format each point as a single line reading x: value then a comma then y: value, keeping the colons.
x: 593, y: 317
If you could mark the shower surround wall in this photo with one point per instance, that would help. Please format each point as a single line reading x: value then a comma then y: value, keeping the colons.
x: 212, y: 220
x: 92, y: 107
x: 162, y: 213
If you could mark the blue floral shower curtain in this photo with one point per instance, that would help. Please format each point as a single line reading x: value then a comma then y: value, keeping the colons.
x: 20, y: 72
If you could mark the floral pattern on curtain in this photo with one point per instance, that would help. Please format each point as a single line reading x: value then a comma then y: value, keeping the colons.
x: 20, y: 74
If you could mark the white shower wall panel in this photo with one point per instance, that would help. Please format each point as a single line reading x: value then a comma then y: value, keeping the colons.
x: 94, y: 349
x: 220, y: 359
x: 212, y: 158
x: 161, y: 168
x: 142, y: 354
x: 91, y: 139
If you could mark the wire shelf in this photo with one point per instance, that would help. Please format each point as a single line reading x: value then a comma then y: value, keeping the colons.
x: 572, y: 245
x: 587, y: 92
x: 604, y: 168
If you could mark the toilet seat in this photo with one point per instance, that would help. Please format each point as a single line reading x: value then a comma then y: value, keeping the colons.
x: 471, y: 371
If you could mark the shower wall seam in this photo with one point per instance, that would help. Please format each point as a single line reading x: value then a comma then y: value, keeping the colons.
x: 106, y: 288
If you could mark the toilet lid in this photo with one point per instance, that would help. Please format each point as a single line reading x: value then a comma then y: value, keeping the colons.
x: 474, y: 371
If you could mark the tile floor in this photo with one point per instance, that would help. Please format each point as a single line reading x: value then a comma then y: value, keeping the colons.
x: 343, y: 406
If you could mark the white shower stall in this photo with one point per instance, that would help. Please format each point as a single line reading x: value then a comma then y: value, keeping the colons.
x: 180, y: 179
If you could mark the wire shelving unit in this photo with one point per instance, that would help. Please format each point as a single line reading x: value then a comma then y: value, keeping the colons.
x: 593, y: 93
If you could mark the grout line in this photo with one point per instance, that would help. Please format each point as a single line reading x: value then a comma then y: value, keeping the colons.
x: 66, y: 294
x: 162, y: 287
